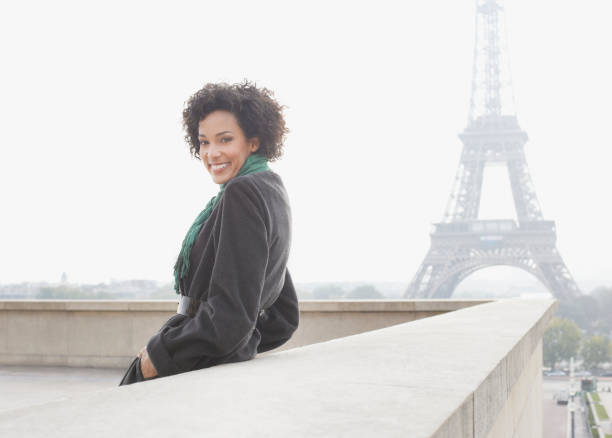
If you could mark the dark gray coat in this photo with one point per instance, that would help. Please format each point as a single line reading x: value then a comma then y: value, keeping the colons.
x: 245, y: 301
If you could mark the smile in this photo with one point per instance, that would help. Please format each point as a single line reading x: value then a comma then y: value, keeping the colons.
x: 218, y: 167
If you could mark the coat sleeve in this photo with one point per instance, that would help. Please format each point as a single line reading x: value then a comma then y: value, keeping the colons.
x: 227, y: 319
x: 280, y: 320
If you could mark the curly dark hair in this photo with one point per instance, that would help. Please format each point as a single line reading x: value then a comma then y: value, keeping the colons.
x: 255, y: 109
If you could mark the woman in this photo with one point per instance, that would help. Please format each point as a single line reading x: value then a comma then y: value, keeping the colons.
x: 236, y: 295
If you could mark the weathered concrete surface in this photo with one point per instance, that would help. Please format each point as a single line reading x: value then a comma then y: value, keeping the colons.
x: 22, y: 386
x: 92, y: 333
x: 461, y: 374
x: 521, y: 414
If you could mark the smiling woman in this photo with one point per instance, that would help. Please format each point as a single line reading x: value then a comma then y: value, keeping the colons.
x: 236, y: 297
x: 223, y: 146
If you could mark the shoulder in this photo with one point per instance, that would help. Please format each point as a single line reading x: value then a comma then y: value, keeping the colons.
x: 260, y: 192
x: 255, y: 179
x: 259, y: 185
x: 245, y: 192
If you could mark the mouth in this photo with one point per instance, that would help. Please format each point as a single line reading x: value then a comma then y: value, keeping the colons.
x: 216, y: 168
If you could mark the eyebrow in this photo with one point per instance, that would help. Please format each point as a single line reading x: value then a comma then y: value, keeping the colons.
x: 220, y: 133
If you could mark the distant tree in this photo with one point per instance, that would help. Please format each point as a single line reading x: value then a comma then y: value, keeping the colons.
x: 603, y: 296
x: 364, y: 293
x: 62, y: 292
x: 595, y: 351
x: 561, y: 341
x: 164, y: 292
x: 303, y: 294
x: 65, y: 292
x: 327, y: 292
x: 590, y: 312
x: 583, y: 310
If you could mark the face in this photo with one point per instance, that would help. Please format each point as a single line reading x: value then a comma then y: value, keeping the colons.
x: 223, y: 146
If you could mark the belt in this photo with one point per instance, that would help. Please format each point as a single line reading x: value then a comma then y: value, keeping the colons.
x: 185, y: 301
x: 183, y: 304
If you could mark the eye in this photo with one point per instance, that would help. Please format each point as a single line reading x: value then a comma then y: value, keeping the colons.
x: 226, y: 139
x: 203, y: 143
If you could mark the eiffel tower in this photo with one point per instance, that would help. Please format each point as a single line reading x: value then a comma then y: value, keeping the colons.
x: 462, y: 244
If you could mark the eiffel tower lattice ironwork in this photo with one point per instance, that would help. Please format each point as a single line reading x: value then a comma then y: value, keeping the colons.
x: 462, y: 244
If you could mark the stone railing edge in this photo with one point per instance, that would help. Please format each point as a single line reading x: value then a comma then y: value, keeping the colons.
x: 382, y: 305
x: 519, y: 354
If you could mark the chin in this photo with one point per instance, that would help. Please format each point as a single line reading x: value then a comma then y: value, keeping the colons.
x: 223, y: 178
x: 220, y: 179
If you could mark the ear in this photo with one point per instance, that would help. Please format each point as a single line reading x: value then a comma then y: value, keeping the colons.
x: 253, y: 144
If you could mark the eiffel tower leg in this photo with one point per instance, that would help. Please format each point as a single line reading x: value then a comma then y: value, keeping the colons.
x: 560, y: 282
x: 446, y: 289
x: 464, y: 201
x: 425, y: 281
x: 419, y: 285
x: 523, y: 192
x: 432, y: 279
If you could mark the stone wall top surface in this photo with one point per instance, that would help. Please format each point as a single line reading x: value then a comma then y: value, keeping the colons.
x: 405, y: 380
x: 442, y: 305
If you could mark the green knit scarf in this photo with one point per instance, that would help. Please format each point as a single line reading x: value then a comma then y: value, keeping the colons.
x: 254, y: 163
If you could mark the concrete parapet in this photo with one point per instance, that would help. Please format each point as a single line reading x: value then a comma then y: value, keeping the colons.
x: 109, y: 333
x: 474, y: 372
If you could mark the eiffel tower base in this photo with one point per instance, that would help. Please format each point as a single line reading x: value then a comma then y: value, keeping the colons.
x: 459, y: 249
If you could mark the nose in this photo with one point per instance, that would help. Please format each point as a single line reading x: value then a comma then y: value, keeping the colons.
x: 213, y: 150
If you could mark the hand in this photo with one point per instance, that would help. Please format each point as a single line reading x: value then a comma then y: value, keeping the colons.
x: 146, y: 366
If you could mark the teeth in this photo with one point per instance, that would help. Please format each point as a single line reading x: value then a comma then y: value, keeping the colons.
x: 219, y: 166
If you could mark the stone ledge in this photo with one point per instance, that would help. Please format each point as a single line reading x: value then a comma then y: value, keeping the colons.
x: 90, y: 305
x: 83, y: 333
x: 433, y: 305
x: 441, y: 305
x: 88, y: 361
x: 434, y: 377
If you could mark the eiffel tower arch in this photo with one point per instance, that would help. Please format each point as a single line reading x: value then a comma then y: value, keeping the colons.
x: 462, y: 244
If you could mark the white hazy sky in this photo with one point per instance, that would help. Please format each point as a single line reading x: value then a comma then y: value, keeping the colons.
x: 95, y: 178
